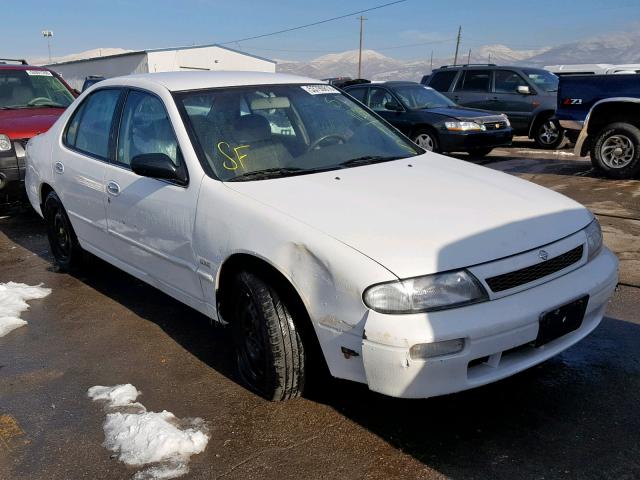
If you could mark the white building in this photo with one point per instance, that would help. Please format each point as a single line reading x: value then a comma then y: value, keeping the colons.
x: 201, y: 57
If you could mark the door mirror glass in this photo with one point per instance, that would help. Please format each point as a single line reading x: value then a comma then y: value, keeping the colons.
x: 157, y: 165
x: 524, y: 90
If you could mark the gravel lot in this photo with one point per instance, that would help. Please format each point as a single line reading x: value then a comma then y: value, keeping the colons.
x: 575, y: 416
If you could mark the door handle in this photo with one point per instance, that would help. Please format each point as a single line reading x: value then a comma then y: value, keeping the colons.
x: 58, y: 167
x: 113, y: 188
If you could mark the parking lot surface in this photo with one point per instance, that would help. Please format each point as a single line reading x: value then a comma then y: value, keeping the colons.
x: 574, y: 416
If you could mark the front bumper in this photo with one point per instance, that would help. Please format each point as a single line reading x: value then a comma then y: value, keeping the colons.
x: 12, y: 171
x: 498, y: 332
x: 466, y: 141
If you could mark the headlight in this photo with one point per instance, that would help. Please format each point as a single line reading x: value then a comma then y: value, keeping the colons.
x: 464, y: 126
x: 5, y: 143
x: 594, y: 239
x: 424, y: 294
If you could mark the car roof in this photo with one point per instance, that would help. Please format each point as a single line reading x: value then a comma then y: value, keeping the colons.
x: 9, y: 66
x: 444, y: 68
x: 178, y: 81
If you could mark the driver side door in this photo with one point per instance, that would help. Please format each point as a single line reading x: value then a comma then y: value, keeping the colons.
x: 151, y: 221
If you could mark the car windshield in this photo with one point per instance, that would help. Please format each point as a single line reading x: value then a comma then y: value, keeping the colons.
x: 547, y: 81
x: 32, y: 89
x: 257, y: 132
x: 418, y: 97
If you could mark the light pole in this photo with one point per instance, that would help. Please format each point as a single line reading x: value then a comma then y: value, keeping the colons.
x: 48, y: 34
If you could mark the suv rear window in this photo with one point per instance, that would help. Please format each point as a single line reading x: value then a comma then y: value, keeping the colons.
x: 441, y: 81
x: 475, y: 81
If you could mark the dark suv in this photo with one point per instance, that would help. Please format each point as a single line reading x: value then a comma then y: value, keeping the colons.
x: 527, y: 95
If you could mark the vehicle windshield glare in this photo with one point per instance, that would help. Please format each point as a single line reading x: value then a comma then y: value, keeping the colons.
x: 257, y: 132
x: 32, y: 89
x: 418, y: 97
x: 543, y: 79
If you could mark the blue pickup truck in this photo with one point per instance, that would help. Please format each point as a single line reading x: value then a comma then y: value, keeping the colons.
x: 604, y: 112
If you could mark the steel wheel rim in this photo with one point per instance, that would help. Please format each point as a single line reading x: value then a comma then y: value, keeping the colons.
x: 60, y: 235
x: 548, y: 133
x: 425, y: 141
x: 251, y: 352
x: 617, y: 151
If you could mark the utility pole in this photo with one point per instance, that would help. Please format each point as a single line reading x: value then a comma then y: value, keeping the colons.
x: 48, y: 34
x: 455, y: 58
x: 469, y: 57
x: 489, y: 58
x: 431, y: 62
x: 362, y: 19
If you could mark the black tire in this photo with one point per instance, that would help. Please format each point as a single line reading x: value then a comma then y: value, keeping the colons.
x: 426, y: 139
x: 480, y: 152
x: 548, y: 134
x: 617, y: 136
x: 270, y: 354
x: 63, y: 242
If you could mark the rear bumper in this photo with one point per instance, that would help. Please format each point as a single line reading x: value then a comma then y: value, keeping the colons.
x: 465, y: 141
x: 497, y: 335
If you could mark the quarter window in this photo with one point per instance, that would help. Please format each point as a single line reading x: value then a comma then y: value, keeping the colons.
x: 508, y: 82
x: 441, y: 81
x: 475, y: 81
x: 90, y: 126
x: 145, y: 128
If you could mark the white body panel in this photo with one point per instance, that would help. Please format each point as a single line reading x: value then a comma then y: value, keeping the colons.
x: 332, y: 238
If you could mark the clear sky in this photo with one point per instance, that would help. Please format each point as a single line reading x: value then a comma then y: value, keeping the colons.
x: 136, y: 24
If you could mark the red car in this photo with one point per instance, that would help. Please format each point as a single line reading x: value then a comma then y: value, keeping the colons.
x: 31, y: 100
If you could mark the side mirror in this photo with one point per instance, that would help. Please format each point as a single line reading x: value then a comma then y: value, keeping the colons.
x: 157, y: 165
x: 524, y: 90
x: 393, y: 106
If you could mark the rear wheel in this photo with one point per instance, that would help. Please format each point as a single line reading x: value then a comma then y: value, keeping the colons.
x: 427, y: 140
x: 480, y: 152
x: 548, y: 134
x: 616, y: 150
x: 270, y: 355
x: 63, y: 242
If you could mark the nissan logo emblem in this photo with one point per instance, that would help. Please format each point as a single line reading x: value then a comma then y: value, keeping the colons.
x: 543, y: 255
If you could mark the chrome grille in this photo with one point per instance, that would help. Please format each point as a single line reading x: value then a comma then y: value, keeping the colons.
x: 532, y: 273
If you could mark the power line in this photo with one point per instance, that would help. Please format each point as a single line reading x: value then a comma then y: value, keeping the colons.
x: 320, y: 22
x: 245, y: 47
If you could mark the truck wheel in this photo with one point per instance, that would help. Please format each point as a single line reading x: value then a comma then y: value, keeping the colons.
x: 66, y: 250
x: 616, y: 150
x: 548, y: 135
x: 426, y: 139
x: 270, y: 355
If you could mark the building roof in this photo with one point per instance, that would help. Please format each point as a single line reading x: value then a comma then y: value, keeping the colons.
x: 151, y: 50
x: 178, y: 81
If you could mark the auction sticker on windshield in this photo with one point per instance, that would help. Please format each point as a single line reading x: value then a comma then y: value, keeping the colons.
x: 319, y: 89
x: 39, y: 73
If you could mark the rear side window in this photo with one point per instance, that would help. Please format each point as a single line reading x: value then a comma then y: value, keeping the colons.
x: 507, y: 81
x: 475, y: 81
x: 359, y: 94
x: 90, y: 126
x: 441, y: 81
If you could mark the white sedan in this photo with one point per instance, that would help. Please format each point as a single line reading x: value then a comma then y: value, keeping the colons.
x: 282, y: 207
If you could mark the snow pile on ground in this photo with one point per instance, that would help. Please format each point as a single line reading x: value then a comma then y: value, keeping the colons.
x: 140, y: 437
x: 13, y: 301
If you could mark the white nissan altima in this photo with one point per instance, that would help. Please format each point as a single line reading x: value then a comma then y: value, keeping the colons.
x: 281, y: 206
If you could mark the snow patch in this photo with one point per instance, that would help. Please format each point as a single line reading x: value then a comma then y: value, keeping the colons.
x: 13, y: 301
x: 140, y: 437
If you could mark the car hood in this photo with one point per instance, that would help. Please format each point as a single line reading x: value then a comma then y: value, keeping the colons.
x: 27, y: 122
x: 462, y: 113
x: 424, y: 214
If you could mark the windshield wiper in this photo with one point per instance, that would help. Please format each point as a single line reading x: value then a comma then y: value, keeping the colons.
x: 366, y: 160
x: 267, y: 173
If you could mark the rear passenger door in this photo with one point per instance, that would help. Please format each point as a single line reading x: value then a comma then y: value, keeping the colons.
x: 518, y: 107
x: 151, y: 221
x: 473, y: 89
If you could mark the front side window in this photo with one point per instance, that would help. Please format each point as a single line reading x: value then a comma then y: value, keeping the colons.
x: 20, y: 89
x: 145, y: 128
x: 475, y: 81
x: 243, y: 133
x: 507, y: 81
x: 379, y: 98
x: 542, y: 79
x: 441, y: 81
x: 359, y: 94
x: 419, y: 97
x: 89, y: 128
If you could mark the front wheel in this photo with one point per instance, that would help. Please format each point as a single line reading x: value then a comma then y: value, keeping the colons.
x: 426, y: 139
x: 270, y: 355
x: 63, y: 242
x: 616, y: 151
x: 548, y: 135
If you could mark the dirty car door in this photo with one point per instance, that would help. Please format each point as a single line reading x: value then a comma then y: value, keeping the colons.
x: 151, y: 220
